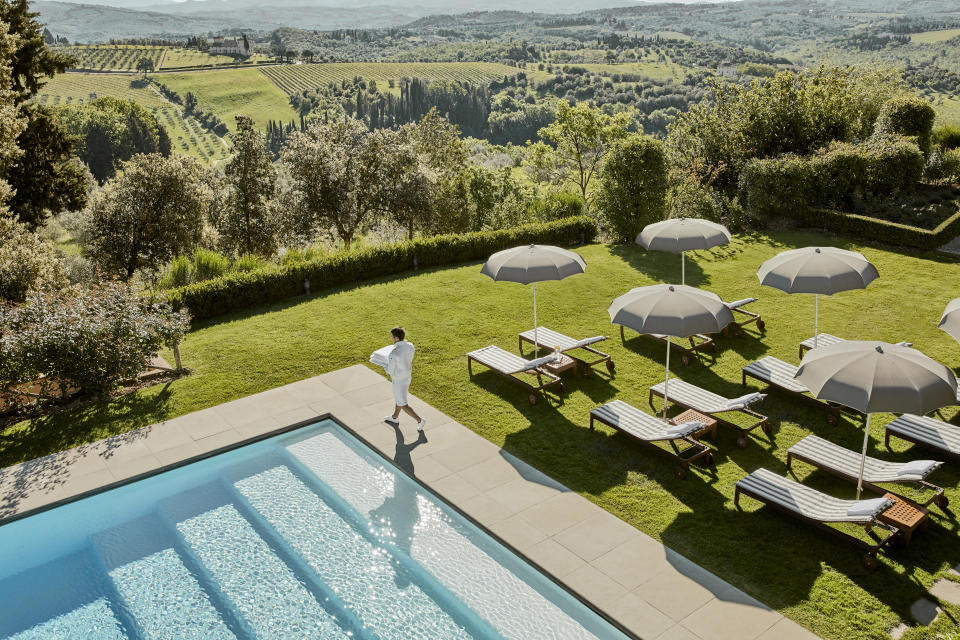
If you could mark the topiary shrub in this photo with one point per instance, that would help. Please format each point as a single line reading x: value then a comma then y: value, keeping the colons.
x: 633, y: 186
x: 895, y: 165
x: 907, y: 115
x: 773, y: 188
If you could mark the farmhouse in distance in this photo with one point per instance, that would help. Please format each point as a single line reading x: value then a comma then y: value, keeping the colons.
x: 241, y: 46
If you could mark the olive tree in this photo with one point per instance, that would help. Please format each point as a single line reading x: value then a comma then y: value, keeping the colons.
x: 151, y: 212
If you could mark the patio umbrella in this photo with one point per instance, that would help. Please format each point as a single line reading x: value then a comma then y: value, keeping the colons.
x: 872, y: 376
x: 817, y: 270
x: 950, y: 320
x: 532, y: 264
x: 670, y: 310
x: 679, y: 235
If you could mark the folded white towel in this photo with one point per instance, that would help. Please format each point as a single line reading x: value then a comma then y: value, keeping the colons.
x: 869, y: 507
x: 918, y: 468
x: 586, y: 342
x: 742, y: 401
x: 683, y: 429
x: 381, y: 356
x: 739, y: 303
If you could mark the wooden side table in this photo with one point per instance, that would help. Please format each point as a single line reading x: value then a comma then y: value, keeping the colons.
x: 709, y: 424
x: 565, y: 363
x: 905, y: 516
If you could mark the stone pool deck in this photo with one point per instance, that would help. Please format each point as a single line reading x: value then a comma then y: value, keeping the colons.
x: 648, y: 589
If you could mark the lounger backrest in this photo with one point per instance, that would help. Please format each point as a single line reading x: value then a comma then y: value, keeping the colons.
x: 798, y: 498
x: 776, y: 372
x: 501, y: 360
x: 822, y: 340
x: 929, y: 431
x: 828, y: 455
x: 690, y: 395
x: 549, y: 338
x: 637, y: 423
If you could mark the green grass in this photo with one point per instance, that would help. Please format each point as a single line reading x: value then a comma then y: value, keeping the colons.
x: 229, y: 92
x: 655, y: 70
x: 809, y: 576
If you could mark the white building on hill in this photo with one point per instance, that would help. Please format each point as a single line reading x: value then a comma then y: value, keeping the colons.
x: 241, y: 46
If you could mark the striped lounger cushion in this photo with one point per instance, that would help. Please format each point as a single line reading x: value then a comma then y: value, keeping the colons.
x: 804, y: 500
x: 777, y: 373
x: 823, y: 340
x: 506, y: 362
x: 641, y: 425
x: 929, y: 431
x: 692, y: 396
x: 831, y: 456
x: 549, y: 338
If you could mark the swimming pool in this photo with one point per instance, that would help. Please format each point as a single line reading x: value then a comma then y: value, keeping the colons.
x: 304, y: 535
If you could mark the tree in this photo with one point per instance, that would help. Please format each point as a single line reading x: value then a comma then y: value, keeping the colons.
x: 109, y: 131
x: 340, y: 176
x: 152, y: 211
x: 245, y: 222
x: 145, y: 65
x: 27, y: 262
x: 633, y: 186
x: 580, y: 136
x: 12, y: 123
x: 43, y: 175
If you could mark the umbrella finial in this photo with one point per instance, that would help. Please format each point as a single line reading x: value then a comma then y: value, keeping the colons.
x: 879, y: 349
x: 817, y: 250
x: 671, y: 288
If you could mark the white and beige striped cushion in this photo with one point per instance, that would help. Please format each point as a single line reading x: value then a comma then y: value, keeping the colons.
x: 504, y: 361
x: 803, y: 500
x: 828, y: 455
x: 640, y: 425
x: 552, y: 339
x: 823, y: 340
x: 929, y: 431
x: 692, y: 396
x: 776, y: 372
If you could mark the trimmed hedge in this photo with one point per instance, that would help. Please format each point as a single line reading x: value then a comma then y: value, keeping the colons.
x: 238, y: 291
x: 864, y: 227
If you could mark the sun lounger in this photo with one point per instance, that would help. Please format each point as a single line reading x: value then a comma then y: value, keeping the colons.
x: 928, y: 432
x: 819, y: 509
x: 553, y: 340
x: 516, y: 368
x: 742, y: 317
x: 698, y: 342
x: 690, y: 396
x: 845, y: 463
x: 649, y: 429
x: 780, y: 375
x: 826, y: 339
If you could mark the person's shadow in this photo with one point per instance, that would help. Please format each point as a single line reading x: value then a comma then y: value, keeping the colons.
x: 400, y: 513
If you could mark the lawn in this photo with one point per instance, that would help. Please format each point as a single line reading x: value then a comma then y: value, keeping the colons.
x: 228, y: 92
x: 938, y: 35
x: 809, y: 576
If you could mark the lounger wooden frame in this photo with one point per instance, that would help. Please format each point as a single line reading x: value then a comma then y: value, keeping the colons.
x: 869, y: 560
x: 534, y: 390
x: 762, y: 421
x: 749, y: 317
x: 833, y: 411
x: 580, y: 362
x: 698, y: 342
x: 938, y: 497
x: 914, y: 439
x: 695, y: 450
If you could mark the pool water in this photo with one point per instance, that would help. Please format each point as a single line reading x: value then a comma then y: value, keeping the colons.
x: 306, y: 535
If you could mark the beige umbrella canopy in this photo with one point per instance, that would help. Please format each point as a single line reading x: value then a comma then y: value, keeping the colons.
x: 817, y: 270
x: 670, y: 310
x: 531, y: 264
x: 872, y: 377
x: 950, y: 320
x: 679, y: 235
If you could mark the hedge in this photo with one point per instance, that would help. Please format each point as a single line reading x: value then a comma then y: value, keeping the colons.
x: 864, y: 227
x: 238, y: 291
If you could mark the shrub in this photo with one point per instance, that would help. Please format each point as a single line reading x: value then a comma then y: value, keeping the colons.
x: 864, y: 227
x: 633, y: 186
x: 777, y: 187
x: 556, y: 206
x: 907, y: 115
x: 690, y: 199
x: 238, y: 291
x: 249, y: 262
x: 178, y: 274
x: 947, y: 137
x: 26, y: 261
x: 208, y: 264
x: 896, y: 165
x: 943, y: 166
x: 87, y: 339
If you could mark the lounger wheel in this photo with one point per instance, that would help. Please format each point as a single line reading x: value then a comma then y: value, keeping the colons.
x: 685, y: 359
x: 680, y: 472
x: 562, y: 388
x: 738, y: 331
x: 832, y: 418
x: 869, y: 562
x: 742, y: 441
x: 761, y: 325
x: 533, y: 398
x: 708, y: 460
x: 767, y: 429
x: 942, y: 501
x: 587, y: 371
x: 611, y: 366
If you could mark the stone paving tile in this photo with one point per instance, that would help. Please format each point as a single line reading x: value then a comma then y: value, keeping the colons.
x: 731, y: 619
x: 946, y: 590
x: 635, y: 561
x: 678, y: 632
x: 674, y: 594
x: 126, y: 467
x: 428, y: 469
x: 219, y: 441
x: 484, y: 510
x: 461, y: 456
x: 638, y: 616
x: 560, y: 512
x: 351, y: 378
x: 595, y: 586
x: 554, y: 558
x: 596, y: 535
x: 166, y: 436
x: 490, y: 473
x: 955, y: 571
x: 924, y: 611
x: 521, y: 494
x: 179, y: 453
x: 786, y: 629
x: 310, y: 390
x: 518, y: 533
x: 454, y: 488
x: 896, y: 632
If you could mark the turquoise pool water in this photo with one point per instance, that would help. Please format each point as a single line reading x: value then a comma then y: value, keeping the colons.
x: 304, y: 535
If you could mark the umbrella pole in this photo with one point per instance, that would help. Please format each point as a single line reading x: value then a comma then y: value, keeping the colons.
x: 683, y: 267
x: 666, y: 382
x: 863, y: 456
x: 816, y: 319
x: 536, y: 337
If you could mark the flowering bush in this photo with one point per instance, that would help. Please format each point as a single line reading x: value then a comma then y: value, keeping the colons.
x: 87, y: 339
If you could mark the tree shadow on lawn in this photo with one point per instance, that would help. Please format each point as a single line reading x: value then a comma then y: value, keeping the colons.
x: 71, y: 434
x: 661, y: 266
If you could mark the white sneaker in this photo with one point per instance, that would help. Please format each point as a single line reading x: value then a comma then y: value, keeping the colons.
x: 421, y: 424
x: 391, y: 420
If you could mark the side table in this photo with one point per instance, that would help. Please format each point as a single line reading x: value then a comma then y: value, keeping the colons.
x: 709, y: 424
x: 905, y: 516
